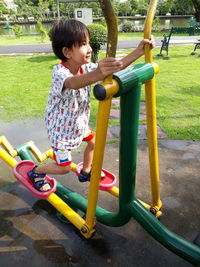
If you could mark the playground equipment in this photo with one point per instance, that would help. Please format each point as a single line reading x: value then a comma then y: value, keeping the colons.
x: 125, y: 84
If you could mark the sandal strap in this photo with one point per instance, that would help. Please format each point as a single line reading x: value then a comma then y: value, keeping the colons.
x: 39, y: 184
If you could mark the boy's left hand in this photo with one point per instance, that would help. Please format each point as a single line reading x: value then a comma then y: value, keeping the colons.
x: 151, y: 42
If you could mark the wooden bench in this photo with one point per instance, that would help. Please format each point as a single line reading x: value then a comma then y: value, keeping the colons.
x: 167, y: 40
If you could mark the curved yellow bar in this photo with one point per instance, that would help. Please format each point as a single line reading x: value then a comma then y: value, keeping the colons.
x: 101, y: 133
x: 150, y: 90
x: 7, y: 158
x: 8, y: 147
x: 66, y: 211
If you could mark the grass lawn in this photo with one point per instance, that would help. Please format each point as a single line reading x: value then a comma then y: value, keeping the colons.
x: 25, y: 84
x: 34, y: 39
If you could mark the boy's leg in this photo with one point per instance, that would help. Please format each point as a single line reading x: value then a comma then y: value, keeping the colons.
x: 88, y: 155
x: 84, y: 175
x: 62, y: 165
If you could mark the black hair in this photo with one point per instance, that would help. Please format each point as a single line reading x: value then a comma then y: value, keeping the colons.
x: 66, y: 33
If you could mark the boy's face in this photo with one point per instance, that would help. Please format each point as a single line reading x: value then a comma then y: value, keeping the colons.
x: 81, y: 54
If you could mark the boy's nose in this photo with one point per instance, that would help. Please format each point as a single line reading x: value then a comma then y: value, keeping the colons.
x: 89, y: 48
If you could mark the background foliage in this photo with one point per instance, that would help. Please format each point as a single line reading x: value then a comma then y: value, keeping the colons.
x: 45, y: 9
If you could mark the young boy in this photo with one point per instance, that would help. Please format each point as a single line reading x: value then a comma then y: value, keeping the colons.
x: 68, y: 108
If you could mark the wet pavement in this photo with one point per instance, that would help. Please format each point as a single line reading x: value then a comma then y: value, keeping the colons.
x: 31, y: 232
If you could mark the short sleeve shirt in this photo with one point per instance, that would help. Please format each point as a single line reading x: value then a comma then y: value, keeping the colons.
x: 68, y: 111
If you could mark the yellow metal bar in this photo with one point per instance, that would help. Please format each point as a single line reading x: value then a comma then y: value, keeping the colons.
x: 115, y: 192
x: 66, y: 211
x: 7, y: 158
x: 38, y: 154
x: 49, y: 153
x: 150, y: 91
x: 101, y: 133
x: 8, y: 147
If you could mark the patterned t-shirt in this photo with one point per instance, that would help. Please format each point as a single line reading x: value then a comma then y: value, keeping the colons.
x: 68, y: 110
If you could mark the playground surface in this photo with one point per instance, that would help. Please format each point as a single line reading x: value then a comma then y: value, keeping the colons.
x: 31, y: 232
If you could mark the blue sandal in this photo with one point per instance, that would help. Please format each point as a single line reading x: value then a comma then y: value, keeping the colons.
x: 40, y: 183
x: 85, y: 177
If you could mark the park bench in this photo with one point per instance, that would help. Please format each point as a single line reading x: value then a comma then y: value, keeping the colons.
x: 167, y: 39
x: 197, y: 46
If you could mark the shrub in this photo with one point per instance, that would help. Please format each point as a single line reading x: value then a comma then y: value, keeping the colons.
x: 156, y: 24
x: 17, y: 30
x: 98, y: 37
x: 127, y: 26
x: 40, y: 29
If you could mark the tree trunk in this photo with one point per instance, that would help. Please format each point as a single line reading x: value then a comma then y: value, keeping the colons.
x: 196, y: 4
x: 111, y: 20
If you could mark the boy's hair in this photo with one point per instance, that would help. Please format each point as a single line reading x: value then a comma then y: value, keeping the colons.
x: 66, y: 33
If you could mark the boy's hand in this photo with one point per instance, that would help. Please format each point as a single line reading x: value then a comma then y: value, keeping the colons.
x: 141, y: 45
x: 108, y: 66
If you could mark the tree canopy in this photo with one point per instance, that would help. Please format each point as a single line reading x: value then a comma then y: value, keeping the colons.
x: 47, y: 8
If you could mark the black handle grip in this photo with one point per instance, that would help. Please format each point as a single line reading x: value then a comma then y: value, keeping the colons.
x: 99, y: 92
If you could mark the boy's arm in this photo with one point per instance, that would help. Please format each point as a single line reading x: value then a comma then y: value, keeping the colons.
x: 105, y: 67
x: 138, y: 52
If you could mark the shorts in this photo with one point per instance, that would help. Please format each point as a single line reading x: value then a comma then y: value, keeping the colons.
x: 63, y: 157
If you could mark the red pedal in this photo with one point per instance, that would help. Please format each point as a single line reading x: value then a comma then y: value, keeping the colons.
x: 106, y: 183
x: 20, y: 172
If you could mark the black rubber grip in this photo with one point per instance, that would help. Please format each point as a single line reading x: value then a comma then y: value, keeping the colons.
x: 99, y: 92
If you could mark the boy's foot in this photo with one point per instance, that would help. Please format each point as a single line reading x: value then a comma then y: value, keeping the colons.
x: 39, y: 181
x: 85, y: 177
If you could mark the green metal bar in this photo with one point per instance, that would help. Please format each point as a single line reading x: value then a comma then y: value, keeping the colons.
x: 157, y: 230
x: 24, y: 152
x: 130, y: 77
x: 79, y: 202
x: 130, y: 107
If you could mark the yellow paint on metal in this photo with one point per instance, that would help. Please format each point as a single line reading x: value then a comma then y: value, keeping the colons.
x: 49, y: 153
x: 114, y: 191
x: 150, y: 90
x: 155, y: 67
x: 111, y: 86
x: 7, y: 158
x: 101, y: 133
x: 8, y: 147
x: 38, y: 154
x: 73, y: 167
x: 66, y: 211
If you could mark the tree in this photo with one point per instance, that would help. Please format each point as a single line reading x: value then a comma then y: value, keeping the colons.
x: 125, y: 8
x: 142, y: 7
x: 196, y: 4
x: 182, y: 7
x: 164, y: 6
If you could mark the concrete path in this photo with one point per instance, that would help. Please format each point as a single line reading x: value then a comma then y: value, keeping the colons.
x: 122, y: 44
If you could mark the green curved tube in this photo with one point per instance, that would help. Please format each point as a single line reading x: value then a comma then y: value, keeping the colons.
x: 167, y: 238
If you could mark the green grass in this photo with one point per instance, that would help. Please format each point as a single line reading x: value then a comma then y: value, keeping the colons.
x: 25, y: 82
x: 23, y: 40
x: 34, y: 39
x: 178, y: 94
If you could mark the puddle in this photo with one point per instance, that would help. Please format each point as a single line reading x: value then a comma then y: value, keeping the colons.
x: 19, y: 132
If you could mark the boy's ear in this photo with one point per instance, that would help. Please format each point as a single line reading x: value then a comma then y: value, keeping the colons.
x: 66, y: 52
